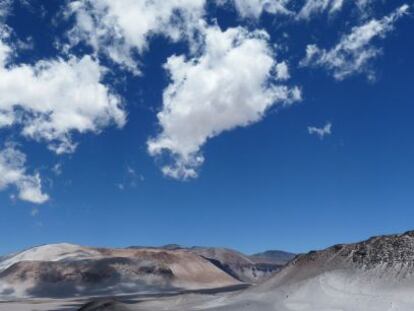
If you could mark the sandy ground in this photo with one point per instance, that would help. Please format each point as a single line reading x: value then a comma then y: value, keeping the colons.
x: 190, y: 300
x: 177, y: 303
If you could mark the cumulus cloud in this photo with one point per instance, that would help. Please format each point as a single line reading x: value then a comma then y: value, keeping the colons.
x: 119, y: 29
x: 13, y: 173
x: 48, y: 101
x: 53, y: 98
x: 231, y: 84
x: 355, y: 50
x: 321, y: 132
x: 255, y: 8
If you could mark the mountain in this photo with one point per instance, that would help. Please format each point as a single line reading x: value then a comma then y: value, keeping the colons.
x: 372, y: 275
x: 238, y: 265
x: 66, y: 270
x: 376, y: 274
x: 248, y: 269
x: 52, y: 252
x: 274, y: 256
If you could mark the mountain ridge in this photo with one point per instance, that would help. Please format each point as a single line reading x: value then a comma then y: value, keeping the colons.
x: 376, y: 274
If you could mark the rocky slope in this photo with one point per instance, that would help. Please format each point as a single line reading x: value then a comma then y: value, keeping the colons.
x: 376, y: 274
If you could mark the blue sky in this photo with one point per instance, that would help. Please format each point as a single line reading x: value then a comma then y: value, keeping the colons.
x: 277, y: 125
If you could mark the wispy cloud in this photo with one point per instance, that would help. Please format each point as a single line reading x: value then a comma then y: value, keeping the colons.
x: 355, y: 50
x: 321, y: 132
x: 313, y: 7
x: 131, y: 179
x: 57, y: 169
x: 255, y: 8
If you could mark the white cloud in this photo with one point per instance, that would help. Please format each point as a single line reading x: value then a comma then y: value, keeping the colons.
x: 354, y: 51
x: 316, y: 7
x: 53, y: 98
x: 282, y: 71
x: 231, y: 84
x: 128, y: 25
x: 313, y: 7
x: 13, y: 172
x: 120, y: 29
x: 4, y: 8
x: 322, y: 131
x: 255, y: 8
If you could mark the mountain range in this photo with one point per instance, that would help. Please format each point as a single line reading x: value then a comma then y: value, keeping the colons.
x: 67, y: 270
x: 373, y: 275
